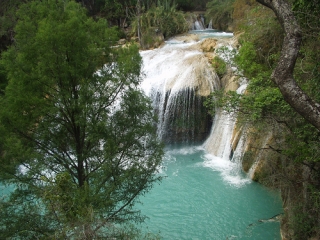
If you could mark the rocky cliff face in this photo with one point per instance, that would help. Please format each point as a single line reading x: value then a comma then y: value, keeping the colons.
x: 259, y: 158
x: 265, y: 161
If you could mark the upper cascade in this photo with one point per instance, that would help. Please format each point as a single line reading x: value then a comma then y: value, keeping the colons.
x: 198, y: 25
x: 210, y: 24
x: 177, y: 66
x: 178, y: 77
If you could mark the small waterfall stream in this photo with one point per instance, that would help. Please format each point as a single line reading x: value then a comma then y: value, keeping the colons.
x: 205, y: 194
x: 210, y: 24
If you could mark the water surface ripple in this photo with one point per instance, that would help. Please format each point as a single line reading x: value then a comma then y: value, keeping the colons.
x: 196, y: 201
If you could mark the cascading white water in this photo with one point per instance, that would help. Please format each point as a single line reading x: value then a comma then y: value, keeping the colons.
x: 219, y: 141
x: 203, y: 188
x: 177, y: 77
x: 220, y: 156
x: 210, y: 24
x: 174, y: 75
x: 198, y: 25
x: 175, y: 70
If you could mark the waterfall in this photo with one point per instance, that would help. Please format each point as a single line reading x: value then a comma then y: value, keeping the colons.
x: 219, y: 141
x: 210, y: 25
x: 203, y: 184
x: 221, y: 157
x: 178, y: 77
x: 198, y: 25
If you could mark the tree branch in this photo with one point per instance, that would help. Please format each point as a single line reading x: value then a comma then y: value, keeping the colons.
x: 283, y: 73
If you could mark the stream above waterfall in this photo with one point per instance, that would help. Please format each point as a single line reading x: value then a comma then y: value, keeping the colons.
x: 205, y: 194
x: 211, y: 33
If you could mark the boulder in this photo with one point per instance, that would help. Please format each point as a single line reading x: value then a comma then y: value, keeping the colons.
x: 208, y: 45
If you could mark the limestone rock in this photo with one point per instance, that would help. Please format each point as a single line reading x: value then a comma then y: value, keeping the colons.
x: 122, y: 41
x: 209, y: 44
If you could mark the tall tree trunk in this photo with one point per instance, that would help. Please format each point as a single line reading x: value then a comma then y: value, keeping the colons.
x: 283, y: 73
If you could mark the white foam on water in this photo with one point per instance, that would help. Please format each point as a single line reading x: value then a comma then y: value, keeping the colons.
x: 212, y: 33
x: 229, y: 170
x: 184, y: 150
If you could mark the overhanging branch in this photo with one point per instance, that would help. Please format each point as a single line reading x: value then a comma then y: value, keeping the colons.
x: 283, y: 73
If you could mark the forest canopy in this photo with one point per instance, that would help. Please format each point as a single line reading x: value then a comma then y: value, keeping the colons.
x: 73, y: 165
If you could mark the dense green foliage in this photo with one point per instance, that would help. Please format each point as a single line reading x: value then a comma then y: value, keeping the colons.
x: 190, y: 5
x: 219, y: 65
x: 8, y: 21
x: 73, y: 164
x: 293, y: 163
x: 163, y: 17
x: 220, y: 12
x: 117, y: 12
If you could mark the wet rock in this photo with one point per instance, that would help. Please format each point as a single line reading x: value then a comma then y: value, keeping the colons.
x: 208, y: 45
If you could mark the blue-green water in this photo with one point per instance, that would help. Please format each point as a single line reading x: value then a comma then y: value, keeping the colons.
x: 211, y: 33
x: 5, y: 191
x: 203, y: 198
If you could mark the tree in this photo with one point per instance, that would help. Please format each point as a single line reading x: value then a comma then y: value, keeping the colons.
x: 79, y: 139
x: 291, y: 159
x: 161, y: 19
x: 117, y: 11
x: 283, y: 74
x: 8, y: 20
x: 220, y: 12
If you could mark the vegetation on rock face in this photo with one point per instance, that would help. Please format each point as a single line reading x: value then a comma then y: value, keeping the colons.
x: 219, y: 66
x: 220, y: 12
x: 119, y: 13
x: 162, y: 19
x: 190, y: 5
x: 291, y: 160
x: 73, y: 164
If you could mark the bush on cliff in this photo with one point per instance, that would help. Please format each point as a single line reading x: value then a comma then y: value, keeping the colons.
x: 162, y: 18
